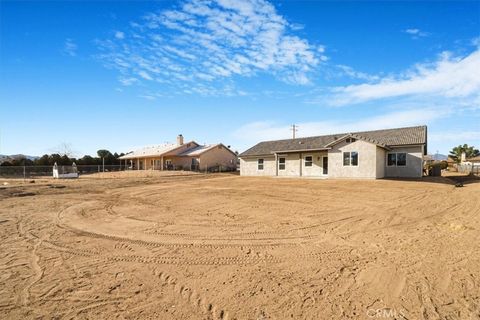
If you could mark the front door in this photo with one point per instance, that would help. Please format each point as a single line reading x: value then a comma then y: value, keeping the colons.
x: 325, y: 165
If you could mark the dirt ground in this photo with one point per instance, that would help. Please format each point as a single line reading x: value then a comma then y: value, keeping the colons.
x: 228, y: 247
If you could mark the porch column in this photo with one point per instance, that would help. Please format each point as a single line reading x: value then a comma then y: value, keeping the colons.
x: 276, y: 164
x: 138, y: 164
x: 145, y: 164
x: 161, y: 163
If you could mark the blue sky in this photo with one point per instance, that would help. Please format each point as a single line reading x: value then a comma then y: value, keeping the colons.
x: 120, y: 75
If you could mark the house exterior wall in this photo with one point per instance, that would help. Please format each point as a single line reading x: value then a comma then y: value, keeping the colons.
x: 248, y: 166
x: 316, y: 170
x: 292, y: 165
x: 216, y: 156
x: 367, y: 159
x: 414, y: 167
x: 179, y: 162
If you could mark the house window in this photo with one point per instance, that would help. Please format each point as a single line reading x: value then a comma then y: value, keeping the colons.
x: 398, y: 159
x: 346, y: 158
x: 354, y: 157
x: 260, y: 164
x: 401, y: 159
x: 350, y: 158
x: 308, y: 161
x: 281, y: 163
x: 349, y: 140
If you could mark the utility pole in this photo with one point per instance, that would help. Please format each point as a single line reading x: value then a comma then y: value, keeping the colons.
x: 294, y: 130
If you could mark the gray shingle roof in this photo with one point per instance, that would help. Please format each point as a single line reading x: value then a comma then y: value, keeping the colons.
x: 384, y: 138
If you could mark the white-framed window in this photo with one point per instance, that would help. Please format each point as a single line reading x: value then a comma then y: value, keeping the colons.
x: 308, y: 161
x: 260, y: 164
x: 396, y: 159
x: 281, y: 163
x: 350, y: 158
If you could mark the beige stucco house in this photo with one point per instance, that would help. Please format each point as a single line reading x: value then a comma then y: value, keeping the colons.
x: 370, y: 154
x: 180, y: 155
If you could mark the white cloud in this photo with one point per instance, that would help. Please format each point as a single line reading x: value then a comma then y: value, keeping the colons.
x: 458, y: 136
x: 119, y: 35
x: 209, y: 41
x: 70, y: 48
x: 448, y: 78
x: 416, y: 33
x: 144, y: 75
x: 128, y: 81
x: 352, y: 73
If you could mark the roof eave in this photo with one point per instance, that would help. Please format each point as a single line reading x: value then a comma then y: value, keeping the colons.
x: 301, y: 150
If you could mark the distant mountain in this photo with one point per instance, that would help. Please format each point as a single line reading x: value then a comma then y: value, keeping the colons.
x: 438, y: 157
x: 5, y: 157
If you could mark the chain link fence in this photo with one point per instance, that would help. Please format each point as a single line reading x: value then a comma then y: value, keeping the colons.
x: 469, y: 168
x: 32, y: 172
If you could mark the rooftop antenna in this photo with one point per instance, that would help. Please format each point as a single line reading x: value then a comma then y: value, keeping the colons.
x: 294, y: 129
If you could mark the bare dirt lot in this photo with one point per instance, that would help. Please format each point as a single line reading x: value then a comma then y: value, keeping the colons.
x: 229, y: 247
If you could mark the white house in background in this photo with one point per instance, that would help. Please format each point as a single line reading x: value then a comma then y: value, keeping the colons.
x: 369, y: 154
x: 180, y: 155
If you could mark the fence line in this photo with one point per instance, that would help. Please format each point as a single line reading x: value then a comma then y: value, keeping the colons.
x: 31, y: 172
x: 468, y: 168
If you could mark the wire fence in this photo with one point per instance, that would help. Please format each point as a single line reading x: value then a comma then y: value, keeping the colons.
x: 469, y: 168
x: 32, y: 172
x: 47, y: 171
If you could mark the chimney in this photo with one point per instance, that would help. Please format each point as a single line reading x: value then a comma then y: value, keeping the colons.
x: 179, y: 140
x: 463, y: 157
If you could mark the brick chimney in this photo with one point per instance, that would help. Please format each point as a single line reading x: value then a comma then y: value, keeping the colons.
x: 179, y: 140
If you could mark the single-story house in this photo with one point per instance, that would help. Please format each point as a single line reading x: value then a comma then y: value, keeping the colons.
x: 473, y: 159
x: 369, y: 154
x: 180, y: 155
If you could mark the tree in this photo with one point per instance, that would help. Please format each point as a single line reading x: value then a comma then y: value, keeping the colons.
x: 55, y: 157
x: 63, y: 149
x: 43, y: 161
x: 470, y: 151
x: 102, y: 153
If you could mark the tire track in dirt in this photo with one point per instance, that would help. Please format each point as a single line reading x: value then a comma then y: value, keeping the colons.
x: 236, y: 260
x: 247, y: 236
x: 38, y: 273
x: 153, y: 244
x: 191, y: 296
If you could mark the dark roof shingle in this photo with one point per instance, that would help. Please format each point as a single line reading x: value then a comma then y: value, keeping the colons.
x: 384, y: 138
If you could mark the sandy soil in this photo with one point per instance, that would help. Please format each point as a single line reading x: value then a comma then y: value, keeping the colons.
x: 229, y: 247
